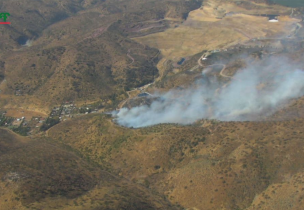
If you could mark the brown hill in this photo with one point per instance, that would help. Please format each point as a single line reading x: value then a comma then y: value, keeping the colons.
x: 89, y: 50
x: 210, y: 165
x: 75, y: 50
x: 38, y: 174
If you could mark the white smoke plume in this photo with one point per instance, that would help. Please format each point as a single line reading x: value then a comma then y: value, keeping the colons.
x: 252, y: 91
x: 28, y: 43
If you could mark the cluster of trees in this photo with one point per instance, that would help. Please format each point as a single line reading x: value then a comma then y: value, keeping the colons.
x: 50, y: 122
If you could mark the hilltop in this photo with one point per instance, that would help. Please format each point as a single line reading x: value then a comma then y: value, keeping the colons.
x: 66, y: 65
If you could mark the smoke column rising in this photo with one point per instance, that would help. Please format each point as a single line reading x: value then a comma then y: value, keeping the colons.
x: 240, y: 100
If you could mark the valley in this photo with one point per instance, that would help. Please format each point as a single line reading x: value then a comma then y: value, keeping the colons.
x: 136, y: 104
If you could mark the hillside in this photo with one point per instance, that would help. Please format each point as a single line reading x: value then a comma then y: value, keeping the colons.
x: 78, y: 51
x: 145, y: 104
x: 210, y: 165
x: 39, y: 174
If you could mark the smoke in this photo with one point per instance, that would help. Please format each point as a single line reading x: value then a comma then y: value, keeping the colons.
x: 253, y: 91
x: 28, y: 43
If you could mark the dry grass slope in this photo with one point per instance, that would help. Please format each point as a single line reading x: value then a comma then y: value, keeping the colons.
x: 38, y: 174
x: 218, y: 25
x: 79, y: 50
x: 210, y: 165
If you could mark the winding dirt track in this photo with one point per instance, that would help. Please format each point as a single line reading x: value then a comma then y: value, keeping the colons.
x: 299, y: 26
x: 222, y: 71
x: 156, y: 21
x: 205, y: 55
x: 129, y: 56
x: 199, y: 62
x: 121, y: 104
x: 143, y: 88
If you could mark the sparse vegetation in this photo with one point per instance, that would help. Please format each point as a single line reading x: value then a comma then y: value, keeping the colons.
x: 92, y: 53
x: 50, y: 122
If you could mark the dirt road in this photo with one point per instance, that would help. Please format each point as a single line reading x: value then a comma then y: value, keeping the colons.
x: 222, y: 71
x: 129, y: 56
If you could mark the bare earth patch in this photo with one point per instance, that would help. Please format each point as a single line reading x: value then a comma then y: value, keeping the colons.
x: 218, y: 27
